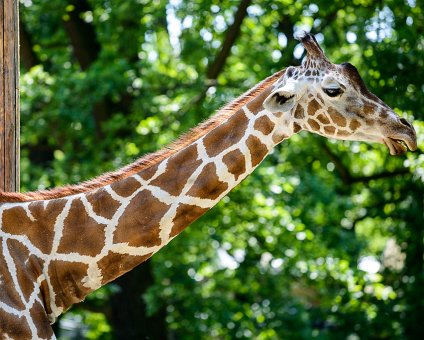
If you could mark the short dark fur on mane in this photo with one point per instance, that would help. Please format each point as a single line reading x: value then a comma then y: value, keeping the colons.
x: 149, y: 159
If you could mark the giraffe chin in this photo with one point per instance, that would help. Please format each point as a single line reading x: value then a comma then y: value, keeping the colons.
x: 396, y: 146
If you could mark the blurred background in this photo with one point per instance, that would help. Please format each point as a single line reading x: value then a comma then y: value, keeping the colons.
x: 324, y: 240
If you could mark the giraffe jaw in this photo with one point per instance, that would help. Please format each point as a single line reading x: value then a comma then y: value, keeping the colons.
x: 399, y: 146
x: 396, y: 146
x: 404, y: 137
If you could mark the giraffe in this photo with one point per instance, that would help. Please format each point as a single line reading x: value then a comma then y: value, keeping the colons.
x: 57, y: 246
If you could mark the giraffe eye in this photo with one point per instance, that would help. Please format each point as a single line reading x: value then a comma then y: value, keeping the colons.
x: 333, y: 92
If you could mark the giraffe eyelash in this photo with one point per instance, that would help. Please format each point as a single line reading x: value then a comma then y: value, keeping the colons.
x: 333, y: 92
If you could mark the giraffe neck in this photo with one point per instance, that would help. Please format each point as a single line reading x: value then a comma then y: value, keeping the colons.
x: 133, y: 218
x: 90, y: 238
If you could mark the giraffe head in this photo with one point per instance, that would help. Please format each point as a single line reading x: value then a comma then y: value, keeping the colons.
x: 333, y: 101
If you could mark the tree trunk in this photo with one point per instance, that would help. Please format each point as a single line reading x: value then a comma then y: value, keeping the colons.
x: 415, y: 265
x: 129, y: 317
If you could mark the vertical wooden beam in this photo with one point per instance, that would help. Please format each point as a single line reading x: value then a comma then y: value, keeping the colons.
x: 9, y: 95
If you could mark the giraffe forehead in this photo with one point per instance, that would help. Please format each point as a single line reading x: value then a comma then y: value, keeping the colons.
x: 312, y: 74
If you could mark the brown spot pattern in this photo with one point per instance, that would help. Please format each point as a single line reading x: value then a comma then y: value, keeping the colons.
x: 186, y: 214
x: 126, y: 187
x: 207, y: 184
x: 38, y: 315
x: 8, y: 295
x: 179, y: 168
x: 329, y: 130
x: 226, y: 134
x: 313, y: 107
x: 299, y: 112
x: 114, y: 265
x: 313, y: 124
x: 149, y: 172
x: 235, y: 162
x: 257, y: 149
x: 40, y: 232
x: 369, y: 108
x: 384, y: 115
x: 14, y: 326
x: 323, y: 119
x: 256, y: 105
x: 81, y: 234
x: 264, y: 124
x: 354, y: 124
x: 66, y: 279
x: 102, y: 203
x: 296, y: 127
x: 28, y: 267
x: 343, y: 133
x: 139, y: 226
x: 337, y: 118
x: 278, y: 137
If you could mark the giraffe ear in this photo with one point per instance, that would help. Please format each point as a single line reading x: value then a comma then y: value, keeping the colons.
x: 280, y: 100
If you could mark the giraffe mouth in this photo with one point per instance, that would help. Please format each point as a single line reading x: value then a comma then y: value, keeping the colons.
x: 396, y: 146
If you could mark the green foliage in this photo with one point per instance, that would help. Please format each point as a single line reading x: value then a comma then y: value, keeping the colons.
x: 283, y: 256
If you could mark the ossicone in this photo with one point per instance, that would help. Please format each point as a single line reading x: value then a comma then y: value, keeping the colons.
x: 311, y: 45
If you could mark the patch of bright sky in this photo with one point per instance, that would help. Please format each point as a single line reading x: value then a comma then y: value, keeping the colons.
x: 255, y: 10
x: 381, y: 25
x: 152, y: 56
x: 319, y: 37
x: 298, y: 51
x: 228, y: 261
x: 282, y: 40
x: 311, y: 10
x: 220, y: 24
x: 26, y: 3
x: 206, y: 35
x: 350, y: 37
x: 174, y: 25
x: 299, y: 29
x: 369, y: 264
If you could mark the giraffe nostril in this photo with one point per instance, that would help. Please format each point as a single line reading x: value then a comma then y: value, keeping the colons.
x: 405, y: 122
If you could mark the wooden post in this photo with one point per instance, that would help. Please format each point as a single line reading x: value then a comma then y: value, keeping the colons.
x: 9, y: 95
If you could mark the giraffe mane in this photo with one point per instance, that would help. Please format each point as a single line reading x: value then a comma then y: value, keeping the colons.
x: 147, y: 160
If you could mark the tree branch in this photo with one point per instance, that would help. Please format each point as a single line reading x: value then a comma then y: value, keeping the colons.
x: 82, y: 34
x: 348, y: 178
x: 86, y: 50
x: 231, y: 35
x: 216, y: 67
x: 28, y: 57
x: 381, y: 175
x: 340, y: 167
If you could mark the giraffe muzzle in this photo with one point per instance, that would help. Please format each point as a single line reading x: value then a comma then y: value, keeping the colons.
x: 405, y: 137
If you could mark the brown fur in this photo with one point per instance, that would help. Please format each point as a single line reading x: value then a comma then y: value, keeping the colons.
x: 265, y: 125
x: 235, y: 162
x: 148, y: 160
x: 257, y: 149
x: 207, y: 184
x: 185, y: 215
